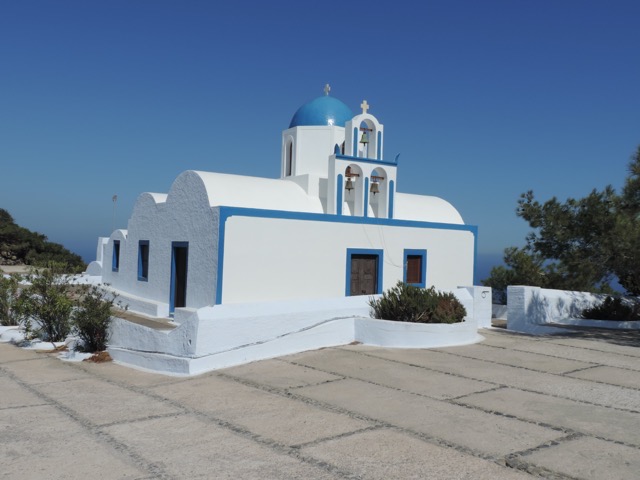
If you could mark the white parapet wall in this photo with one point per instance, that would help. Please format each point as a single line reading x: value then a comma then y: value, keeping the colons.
x: 534, y: 310
x: 225, y: 335
x: 482, y: 307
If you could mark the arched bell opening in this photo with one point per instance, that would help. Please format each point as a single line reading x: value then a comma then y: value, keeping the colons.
x: 367, y: 139
x: 353, y: 189
x: 378, y: 193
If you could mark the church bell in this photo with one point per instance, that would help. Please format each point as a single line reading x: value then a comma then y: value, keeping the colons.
x: 364, y: 140
x: 374, y: 188
x: 349, y: 185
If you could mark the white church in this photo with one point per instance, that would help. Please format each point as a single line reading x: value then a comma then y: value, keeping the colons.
x: 334, y: 225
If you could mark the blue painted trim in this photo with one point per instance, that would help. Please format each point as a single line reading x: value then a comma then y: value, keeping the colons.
x: 220, y: 267
x: 366, y: 197
x: 115, y: 256
x: 141, y: 277
x: 172, y: 284
x: 364, y: 251
x: 392, y: 187
x: 475, y: 256
x: 339, y: 195
x: 355, y: 142
x: 423, y: 266
x: 366, y: 160
x: 379, y: 145
x: 228, y: 212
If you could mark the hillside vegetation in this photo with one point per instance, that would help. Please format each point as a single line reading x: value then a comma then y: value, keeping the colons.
x: 21, y: 246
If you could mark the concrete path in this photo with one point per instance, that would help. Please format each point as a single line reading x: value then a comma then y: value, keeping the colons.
x: 512, y: 407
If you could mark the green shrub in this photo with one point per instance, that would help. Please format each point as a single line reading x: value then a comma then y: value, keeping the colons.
x: 92, y: 317
x: 613, y: 308
x: 406, y: 303
x: 9, y: 299
x: 47, y: 302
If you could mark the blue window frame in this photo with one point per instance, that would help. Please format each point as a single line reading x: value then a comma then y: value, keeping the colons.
x: 143, y: 260
x: 415, y: 267
x: 354, y: 254
x: 115, y: 259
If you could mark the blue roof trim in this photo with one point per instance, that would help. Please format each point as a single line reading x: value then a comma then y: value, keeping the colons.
x: 366, y: 160
x: 227, y: 212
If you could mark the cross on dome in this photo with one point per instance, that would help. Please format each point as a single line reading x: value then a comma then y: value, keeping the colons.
x: 364, y: 106
x: 327, y: 89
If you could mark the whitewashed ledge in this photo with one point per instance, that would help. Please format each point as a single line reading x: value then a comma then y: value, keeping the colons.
x: 226, y: 335
x: 540, y: 311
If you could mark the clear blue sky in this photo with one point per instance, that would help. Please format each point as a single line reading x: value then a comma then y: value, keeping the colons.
x: 483, y: 99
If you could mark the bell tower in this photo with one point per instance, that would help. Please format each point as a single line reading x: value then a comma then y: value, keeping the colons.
x: 360, y: 182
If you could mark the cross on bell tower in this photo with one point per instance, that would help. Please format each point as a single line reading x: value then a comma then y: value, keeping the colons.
x: 364, y: 106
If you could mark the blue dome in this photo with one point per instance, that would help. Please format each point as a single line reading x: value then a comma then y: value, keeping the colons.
x: 323, y: 110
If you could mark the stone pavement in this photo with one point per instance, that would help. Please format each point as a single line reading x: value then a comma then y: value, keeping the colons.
x: 512, y: 407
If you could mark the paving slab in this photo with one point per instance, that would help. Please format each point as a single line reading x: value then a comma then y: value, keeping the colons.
x: 611, y: 346
x: 194, y: 448
x: 102, y: 403
x: 114, y: 372
x: 477, y: 431
x: 387, y: 454
x: 611, y: 359
x: 382, y: 372
x: 43, y: 369
x: 588, y: 419
x: 13, y: 395
x: 11, y: 353
x: 506, y: 356
x: 44, y: 443
x: 588, y: 458
x: 497, y: 374
x: 280, y: 374
x: 610, y: 375
x: 271, y: 416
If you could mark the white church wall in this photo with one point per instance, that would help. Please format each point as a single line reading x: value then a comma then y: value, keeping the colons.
x: 291, y: 258
x: 185, y: 217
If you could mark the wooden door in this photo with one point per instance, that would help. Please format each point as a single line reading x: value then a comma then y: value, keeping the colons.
x: 179, y: 255
x: 414, y: 269
x: 364, y: 274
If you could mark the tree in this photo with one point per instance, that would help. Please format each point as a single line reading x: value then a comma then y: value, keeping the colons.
x: 33, y: 248
x: 580, y: 244
x: 92, y: 317
x: 9, y: 300
x: 626, y: 247
x: 47, y: 301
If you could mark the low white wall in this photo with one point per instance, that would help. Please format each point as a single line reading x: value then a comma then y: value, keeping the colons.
x: 533, y: 309
x: 385, y: 333
x: 226, y: 335
x: 482, y: 307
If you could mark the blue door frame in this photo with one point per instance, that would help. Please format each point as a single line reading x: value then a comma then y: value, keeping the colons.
x: 179, y: 251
